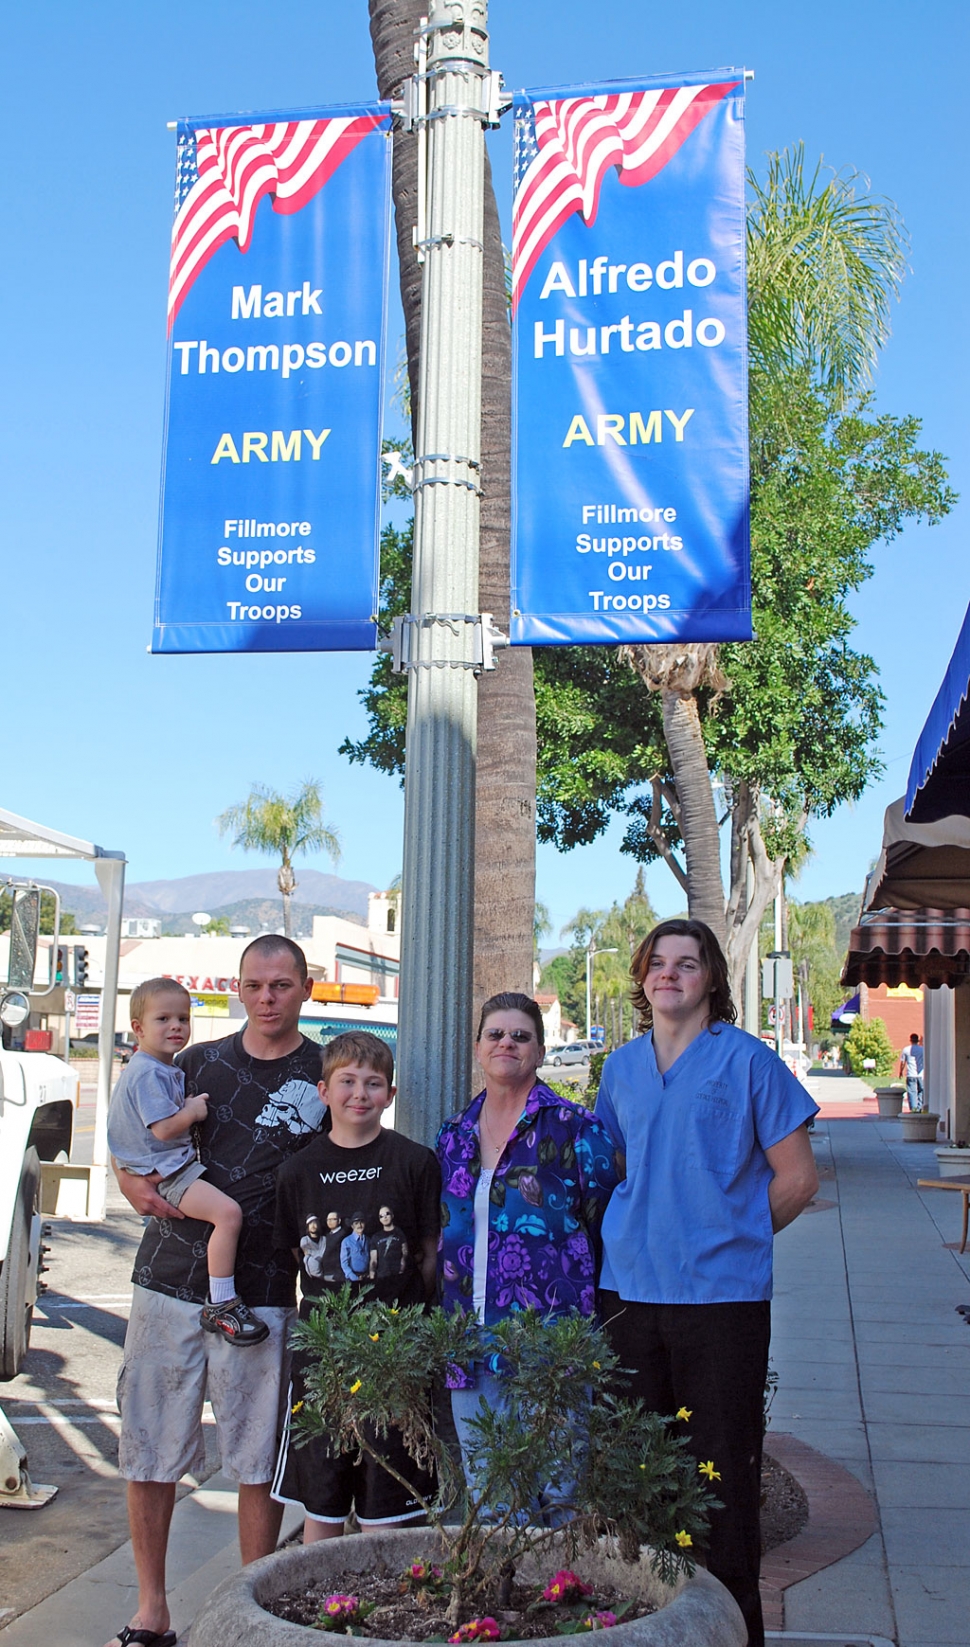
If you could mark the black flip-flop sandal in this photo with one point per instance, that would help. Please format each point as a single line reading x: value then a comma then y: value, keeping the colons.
x: 146, y: 1638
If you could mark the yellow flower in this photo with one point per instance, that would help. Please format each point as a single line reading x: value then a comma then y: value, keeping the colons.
x: 684, y: 1540
x: 373, y: 1336
x: 683, y: 1413
x: 392, y: 1312
x: 597, y: 1366
x: 643, y: 1466
x: 356, y: 1386
x: 709, y: 1470
x: 297, y: 1408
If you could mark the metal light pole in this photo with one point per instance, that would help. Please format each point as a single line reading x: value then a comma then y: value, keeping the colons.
x: 752, y: 971
x: 590, y: 954
x: 442, y: 643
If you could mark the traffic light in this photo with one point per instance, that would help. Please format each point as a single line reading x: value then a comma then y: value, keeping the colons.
x: 80, y: 966
x: 60, y: 974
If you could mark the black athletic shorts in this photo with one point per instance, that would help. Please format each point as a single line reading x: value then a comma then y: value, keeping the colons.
x: 330, y: 1485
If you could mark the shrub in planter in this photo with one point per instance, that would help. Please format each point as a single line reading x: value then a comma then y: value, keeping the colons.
x: 870, y: 1040
x: 611, y: 1470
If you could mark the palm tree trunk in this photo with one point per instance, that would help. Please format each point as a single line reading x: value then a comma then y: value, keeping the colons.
x: 286, y: 881
x: 505, y: 787
x: 698, y: 822
x: 505, y: 835
x: 392, y: 26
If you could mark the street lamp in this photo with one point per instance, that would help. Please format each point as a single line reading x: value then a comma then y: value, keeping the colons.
x: 590, y: 954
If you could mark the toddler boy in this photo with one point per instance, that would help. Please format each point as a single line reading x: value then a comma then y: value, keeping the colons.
x: 150, y: 1124
x: 344, y: 1180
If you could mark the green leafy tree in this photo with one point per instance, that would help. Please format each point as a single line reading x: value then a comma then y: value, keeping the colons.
x: 870, y: 1039
x: 615, y: 933
x: 286, y: 826
x: 564, y: 976
x: 218, y: 927
x: 811, y: 939
x: 68, y: 924
x: 758, y: 737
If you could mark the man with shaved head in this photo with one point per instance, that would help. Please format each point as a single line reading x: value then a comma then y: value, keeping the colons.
x: 263, y: 1105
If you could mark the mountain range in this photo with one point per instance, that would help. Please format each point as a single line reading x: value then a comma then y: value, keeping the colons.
x: 220, y: 892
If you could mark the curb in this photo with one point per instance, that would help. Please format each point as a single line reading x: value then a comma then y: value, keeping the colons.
x: 841, y: 1516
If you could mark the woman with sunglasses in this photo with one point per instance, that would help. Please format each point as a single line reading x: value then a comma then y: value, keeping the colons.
x: 526, y: 1176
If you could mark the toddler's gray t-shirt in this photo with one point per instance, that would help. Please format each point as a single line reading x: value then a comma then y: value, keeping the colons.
x: 147, y: 1091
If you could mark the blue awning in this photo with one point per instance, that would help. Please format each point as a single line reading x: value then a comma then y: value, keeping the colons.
x: 847, y: 1013
x: 939, y: 777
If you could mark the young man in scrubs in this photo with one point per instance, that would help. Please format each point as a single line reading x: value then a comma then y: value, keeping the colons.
x: 718, y: 1159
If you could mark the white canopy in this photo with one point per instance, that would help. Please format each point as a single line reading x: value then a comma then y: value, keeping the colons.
x: 19, y: 838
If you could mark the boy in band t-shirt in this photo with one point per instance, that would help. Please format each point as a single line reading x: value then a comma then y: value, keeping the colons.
x: 360, y: 1205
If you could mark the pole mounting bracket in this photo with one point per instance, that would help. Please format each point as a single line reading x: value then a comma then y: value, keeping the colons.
x: 478, y: 627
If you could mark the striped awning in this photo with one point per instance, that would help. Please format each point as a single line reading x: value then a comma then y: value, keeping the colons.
x: 917, y: 946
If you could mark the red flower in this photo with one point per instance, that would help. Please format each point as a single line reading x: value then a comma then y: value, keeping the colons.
x: 567, y: 1586
x: 478, y: 1629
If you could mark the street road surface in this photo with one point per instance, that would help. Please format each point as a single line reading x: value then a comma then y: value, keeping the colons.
x: 63, y: 1403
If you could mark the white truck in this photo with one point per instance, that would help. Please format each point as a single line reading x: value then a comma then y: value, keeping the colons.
x: 38, y: 1099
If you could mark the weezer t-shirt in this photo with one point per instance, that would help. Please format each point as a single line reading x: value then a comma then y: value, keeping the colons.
x: 359, y: 1215
x: 261, y: 1111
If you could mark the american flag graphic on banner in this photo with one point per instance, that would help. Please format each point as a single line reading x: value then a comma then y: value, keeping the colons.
x: 223, y: 172
x: 564, y: 148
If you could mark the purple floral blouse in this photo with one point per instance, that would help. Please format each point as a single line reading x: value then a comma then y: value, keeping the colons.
x: 550, y: 1189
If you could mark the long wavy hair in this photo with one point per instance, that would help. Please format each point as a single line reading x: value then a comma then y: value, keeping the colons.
x: 722, y: 1009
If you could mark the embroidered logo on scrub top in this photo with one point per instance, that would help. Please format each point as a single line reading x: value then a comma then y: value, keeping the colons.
x: 714, y: 1092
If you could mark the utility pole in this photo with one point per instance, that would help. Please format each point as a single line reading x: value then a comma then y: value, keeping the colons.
x: 444, y: 642
x: 591, y: 953
x: 752, y: 972
x: 779, y: 1008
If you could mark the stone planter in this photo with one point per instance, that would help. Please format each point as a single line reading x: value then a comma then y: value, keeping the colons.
x: 697, y: 1612
x: 890, y: 1101
x: 954, y: 1163
x: 919, y: 1128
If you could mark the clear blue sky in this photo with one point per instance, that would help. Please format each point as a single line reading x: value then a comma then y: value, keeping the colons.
x: 141, y: 753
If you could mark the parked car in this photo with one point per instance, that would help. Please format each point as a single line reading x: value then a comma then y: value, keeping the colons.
x: 569, y: 1052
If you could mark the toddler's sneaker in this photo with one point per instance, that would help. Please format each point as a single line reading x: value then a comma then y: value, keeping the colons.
x: 234, y: 1321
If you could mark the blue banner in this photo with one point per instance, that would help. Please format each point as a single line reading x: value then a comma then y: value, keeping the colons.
x: 271, y: 477
x: 630, y: 438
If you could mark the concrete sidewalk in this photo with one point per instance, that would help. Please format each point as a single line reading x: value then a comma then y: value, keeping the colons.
x: 202, y: 1552
x: 874, y: 1372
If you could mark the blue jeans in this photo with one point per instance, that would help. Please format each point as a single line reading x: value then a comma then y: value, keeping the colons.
x: 914, y: 1089
x: 466, y: 1405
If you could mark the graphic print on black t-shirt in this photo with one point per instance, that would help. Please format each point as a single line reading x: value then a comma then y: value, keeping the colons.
x: 359, y: 1215
x: 261, y: 1112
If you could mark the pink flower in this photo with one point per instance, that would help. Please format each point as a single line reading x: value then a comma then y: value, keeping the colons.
x: 600, y: 1621
x: 338, y: 1606
x: 422, y: 1572
x: 566, y: 1586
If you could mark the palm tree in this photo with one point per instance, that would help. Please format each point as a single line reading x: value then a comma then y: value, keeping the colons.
x: 506, y: 783
x: 541, y: 928
x: 825, y: 259
x: 287, y: 826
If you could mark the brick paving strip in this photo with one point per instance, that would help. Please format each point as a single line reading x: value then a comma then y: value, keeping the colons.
x: 841, y: 1516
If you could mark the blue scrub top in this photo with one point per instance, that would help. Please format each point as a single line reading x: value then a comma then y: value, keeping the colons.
x: 691, y: 1223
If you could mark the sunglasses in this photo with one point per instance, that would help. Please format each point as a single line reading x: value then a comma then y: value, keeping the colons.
x: 521, y: 1037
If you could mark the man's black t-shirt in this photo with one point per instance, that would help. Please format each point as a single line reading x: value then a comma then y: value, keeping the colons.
x: 260, y: 1113
x: 329, y: 1204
